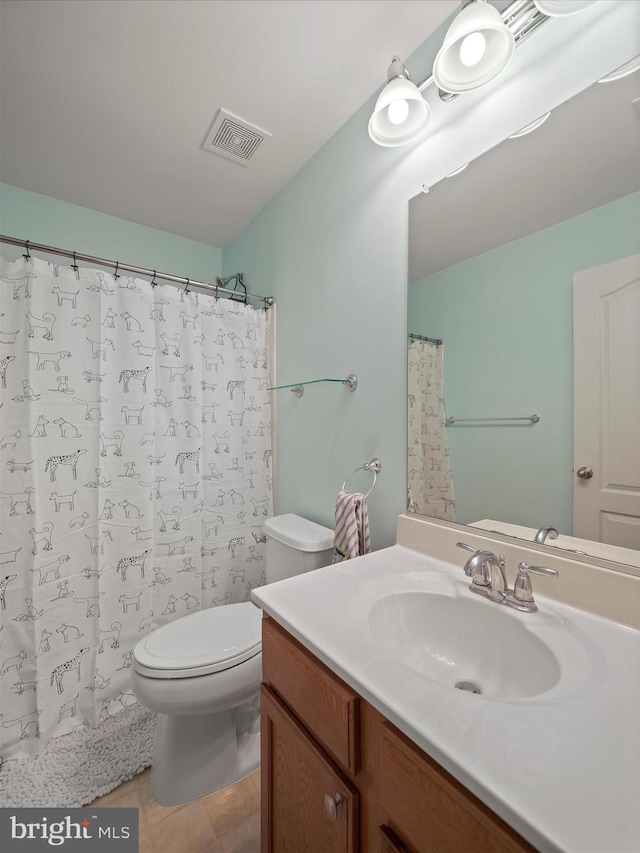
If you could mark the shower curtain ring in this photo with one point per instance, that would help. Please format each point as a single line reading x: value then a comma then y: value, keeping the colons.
x: 74, y: 265
x: 186, y: 287
x: 27, y: 256
x: 153, y: 280
x: 115, y: 274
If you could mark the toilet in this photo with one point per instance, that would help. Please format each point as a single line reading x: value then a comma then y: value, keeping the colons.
x: 202, y: 674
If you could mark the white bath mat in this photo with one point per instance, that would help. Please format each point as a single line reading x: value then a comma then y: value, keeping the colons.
x: 74, y: 769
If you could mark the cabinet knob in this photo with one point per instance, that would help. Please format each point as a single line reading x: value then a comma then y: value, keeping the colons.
x: 331, y: 805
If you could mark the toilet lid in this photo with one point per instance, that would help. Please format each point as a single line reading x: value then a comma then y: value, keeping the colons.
x: 207, y: 641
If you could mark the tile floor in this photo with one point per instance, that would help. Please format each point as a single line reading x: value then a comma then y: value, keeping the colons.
x: 225, y: 822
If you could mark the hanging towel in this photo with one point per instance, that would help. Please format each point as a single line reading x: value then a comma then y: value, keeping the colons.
x: 351, y: 535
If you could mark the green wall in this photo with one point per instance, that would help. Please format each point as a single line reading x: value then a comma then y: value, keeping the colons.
x: 332, y: 248
x: 46, y: 220
x: 506, y: 318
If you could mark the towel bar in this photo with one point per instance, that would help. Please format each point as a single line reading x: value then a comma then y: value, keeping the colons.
x: 375, y: 466
x: 532, y: 418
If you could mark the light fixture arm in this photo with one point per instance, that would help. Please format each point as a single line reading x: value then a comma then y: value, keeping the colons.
x: 397, y: 69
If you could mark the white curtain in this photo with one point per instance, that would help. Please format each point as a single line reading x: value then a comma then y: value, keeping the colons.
x: 430, y: 483
x: 135, y: 466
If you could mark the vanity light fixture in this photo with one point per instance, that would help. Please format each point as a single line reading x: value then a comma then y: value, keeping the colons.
x: 533, y: 125
x: 622, y: 71
x: 400, y: 113
x: 560, y: 8
x: 477, y: 47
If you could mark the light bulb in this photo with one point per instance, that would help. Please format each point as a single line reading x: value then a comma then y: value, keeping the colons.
x: 398, y: 111
x: 472, y: 49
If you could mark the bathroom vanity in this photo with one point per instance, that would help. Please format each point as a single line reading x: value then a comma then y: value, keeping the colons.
x: 338, y: 777
x: 368, y: 746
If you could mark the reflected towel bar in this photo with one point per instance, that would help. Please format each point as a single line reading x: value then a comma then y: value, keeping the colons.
x: 531, y: 418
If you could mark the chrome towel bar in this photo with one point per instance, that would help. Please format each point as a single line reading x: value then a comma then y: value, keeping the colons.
x: 375, y: 466
x: 531, y: 418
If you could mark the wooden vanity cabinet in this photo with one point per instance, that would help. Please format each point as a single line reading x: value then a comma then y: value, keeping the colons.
x: 300, y: 777
x: 339, y: 778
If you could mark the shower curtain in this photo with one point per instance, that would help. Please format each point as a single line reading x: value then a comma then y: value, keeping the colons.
x: 135, y: 454
x: 429, y: 476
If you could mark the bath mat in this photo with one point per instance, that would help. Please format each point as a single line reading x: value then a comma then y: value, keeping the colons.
x: 74, y: 769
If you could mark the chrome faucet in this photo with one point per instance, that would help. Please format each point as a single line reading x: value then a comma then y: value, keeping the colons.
x: 488, y: 578
x: 486, y: 571
x: 545, y: 532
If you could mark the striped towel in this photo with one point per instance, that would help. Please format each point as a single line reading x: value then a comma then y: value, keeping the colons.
x: 351, y: 535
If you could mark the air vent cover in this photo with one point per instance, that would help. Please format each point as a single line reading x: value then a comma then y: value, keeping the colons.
x: 234, y: 138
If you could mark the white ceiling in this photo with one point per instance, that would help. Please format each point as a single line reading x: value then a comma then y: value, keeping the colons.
x: 106, y: 104
x: 585, y: 155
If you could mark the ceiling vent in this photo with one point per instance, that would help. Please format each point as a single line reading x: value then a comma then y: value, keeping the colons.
x: 234, y: 138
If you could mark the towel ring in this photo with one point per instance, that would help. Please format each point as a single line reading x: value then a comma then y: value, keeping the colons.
x: 375, y: 466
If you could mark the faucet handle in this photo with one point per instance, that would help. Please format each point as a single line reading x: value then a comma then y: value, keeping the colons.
x: 473, y: 550
x: 466, y: 547
x: 522, y: 590
x: 537, y: 570
x: 476, y: 551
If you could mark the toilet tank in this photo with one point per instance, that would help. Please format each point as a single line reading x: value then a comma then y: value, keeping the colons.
x: 295, y: 545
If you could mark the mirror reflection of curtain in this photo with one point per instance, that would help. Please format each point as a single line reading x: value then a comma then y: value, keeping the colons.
x: 430, y: 482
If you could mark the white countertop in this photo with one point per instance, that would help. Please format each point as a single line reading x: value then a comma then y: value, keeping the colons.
x: 561, y: 768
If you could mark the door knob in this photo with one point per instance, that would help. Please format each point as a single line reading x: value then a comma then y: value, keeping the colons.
x: 331, y: 805
x: 584, y: 473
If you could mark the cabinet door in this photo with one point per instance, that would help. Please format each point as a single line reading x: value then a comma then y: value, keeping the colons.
x: 307, y: 804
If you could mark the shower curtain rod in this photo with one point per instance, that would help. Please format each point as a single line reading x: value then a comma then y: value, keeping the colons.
x: 153, y: 274
x: 414, y: 337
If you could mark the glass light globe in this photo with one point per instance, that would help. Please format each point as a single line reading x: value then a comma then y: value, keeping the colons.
x: 472, y: 49
x: 398, y: 111
x: 400, y: 115
x: 476, y: 49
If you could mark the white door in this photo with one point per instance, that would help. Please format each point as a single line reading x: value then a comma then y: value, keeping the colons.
x: 606, y: 301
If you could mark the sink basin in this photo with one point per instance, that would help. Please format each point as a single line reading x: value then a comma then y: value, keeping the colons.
x: 472, y: 644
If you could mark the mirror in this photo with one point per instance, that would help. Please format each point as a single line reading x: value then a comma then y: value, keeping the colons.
x: 493, y: 251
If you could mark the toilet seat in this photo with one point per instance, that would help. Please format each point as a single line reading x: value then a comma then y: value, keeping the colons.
x: 201, y: 643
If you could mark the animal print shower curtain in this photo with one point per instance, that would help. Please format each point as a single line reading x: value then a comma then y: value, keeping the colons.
x: 135, y: 475
x: 429, y: 476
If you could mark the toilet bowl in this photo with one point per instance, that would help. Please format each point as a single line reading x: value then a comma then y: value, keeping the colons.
x: 201, y: 674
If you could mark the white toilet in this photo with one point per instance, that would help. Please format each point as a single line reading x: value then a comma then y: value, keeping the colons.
x: 202, y: 675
